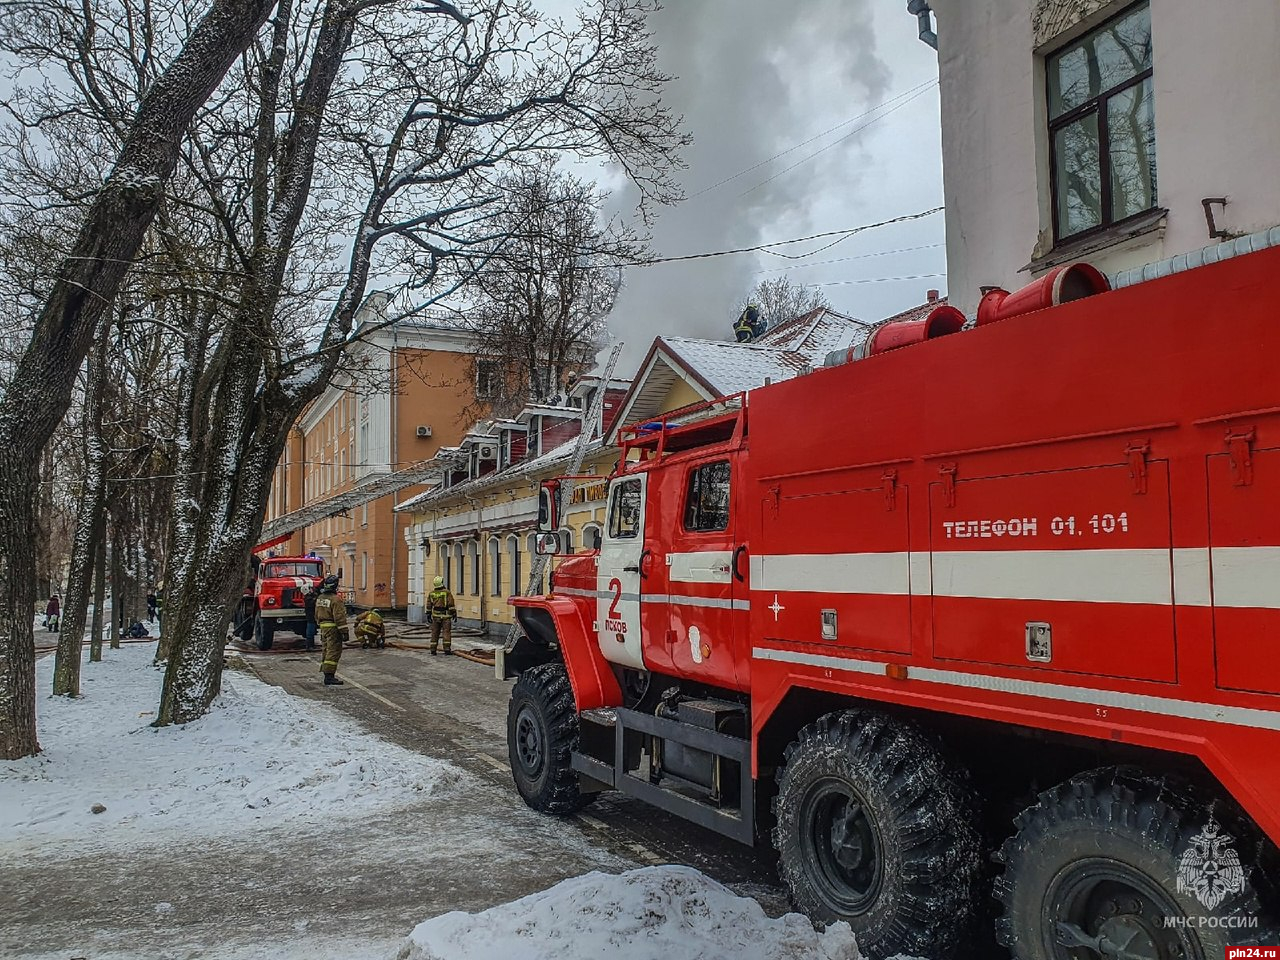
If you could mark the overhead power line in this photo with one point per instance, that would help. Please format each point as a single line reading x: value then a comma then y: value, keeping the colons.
x: 804, y: 143
x: 767, y: 247
x: 837, y: 142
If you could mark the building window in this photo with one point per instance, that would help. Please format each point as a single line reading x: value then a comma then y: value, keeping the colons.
x: 591, y: 536
x: 462, y: 568
x: 487, y: 379
x: 364, y: 571
x: 513, y: 560
x: 538, y: 585
x: 495, y: 564
x: 473, y: 554
x: 566, y: 541
x: 446, y: 570
x: 706, y: 505
x: 1102, y: 133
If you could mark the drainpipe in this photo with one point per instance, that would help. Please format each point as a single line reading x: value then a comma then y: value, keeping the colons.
x: 395, y: 461
x: 924, y: 16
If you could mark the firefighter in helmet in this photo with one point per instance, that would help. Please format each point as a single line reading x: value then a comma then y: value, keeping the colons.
x: 331, y: 618
x: 443, y: 611
x: 750, y: 324
x: 370, y: 630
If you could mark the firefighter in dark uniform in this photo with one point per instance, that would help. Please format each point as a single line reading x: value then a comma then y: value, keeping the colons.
x: 331, y: 618
x: 443, y: 611
x: 749, y: 325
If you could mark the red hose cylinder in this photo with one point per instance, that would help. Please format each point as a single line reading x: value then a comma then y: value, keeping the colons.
x: 1060, y: 285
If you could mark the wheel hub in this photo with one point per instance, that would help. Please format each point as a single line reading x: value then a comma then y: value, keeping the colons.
x: 1115, y: 913
x: 529, y: 742
x: 843, y: 847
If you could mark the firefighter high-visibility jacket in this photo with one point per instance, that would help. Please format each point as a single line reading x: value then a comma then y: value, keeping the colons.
x: 330, y: 611
x: 440, y: 604
x: 369, y: 626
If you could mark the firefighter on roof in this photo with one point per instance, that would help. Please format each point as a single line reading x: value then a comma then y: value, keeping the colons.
x: 443, y: 611
x: 370, y: 630
x: 331, y: 618
x: 750, y: 324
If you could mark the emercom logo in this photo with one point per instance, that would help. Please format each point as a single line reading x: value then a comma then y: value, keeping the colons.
x: 1210, y: 868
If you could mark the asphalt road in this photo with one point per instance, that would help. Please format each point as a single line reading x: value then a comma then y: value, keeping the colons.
x: 352, y: 891
x: 455, y: 709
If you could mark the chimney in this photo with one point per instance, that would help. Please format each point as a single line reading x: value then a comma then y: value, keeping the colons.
x: 932, y: 296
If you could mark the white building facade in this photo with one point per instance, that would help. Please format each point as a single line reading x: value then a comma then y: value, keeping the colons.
x: 1119, y: 133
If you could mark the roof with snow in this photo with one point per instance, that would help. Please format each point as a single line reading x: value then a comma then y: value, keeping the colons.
x: 720, y: 368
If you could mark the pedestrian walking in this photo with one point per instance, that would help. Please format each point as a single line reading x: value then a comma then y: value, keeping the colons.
x: 53, y: 613
x: 443, y: 611
x: 331, y: 618
x: 152, y: 609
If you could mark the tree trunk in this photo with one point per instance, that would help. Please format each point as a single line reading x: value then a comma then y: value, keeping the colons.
x: 117, y: 588
x: 99, y: 597
x: 86, y: 283
x: 84, y: 546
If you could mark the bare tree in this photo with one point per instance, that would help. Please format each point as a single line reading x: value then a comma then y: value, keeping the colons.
x: 780, y: 300
x: 112, y: 230
x: 550, y: 277
x: 420, y: 113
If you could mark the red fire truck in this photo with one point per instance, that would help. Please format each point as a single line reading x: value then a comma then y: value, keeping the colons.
x: 276, y: 599
x: 992, y: 610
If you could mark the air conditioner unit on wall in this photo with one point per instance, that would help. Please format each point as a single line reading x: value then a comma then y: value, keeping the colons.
x: 424, y: 431
x: 488, y: 452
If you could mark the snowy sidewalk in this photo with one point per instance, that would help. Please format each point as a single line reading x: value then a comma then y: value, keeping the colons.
x: 278, y: 828
x: 260, y: 759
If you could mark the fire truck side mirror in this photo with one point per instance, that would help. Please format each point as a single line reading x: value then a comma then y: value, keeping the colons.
x: 549, y: 506
x: 547, y: 544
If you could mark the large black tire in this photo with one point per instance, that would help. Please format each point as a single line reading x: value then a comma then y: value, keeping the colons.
x: 1097, y: 861
x: 542, y: 733
x: 876, y: 828
x: 264, y: 633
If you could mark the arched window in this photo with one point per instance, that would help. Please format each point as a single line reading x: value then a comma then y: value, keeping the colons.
x: 591, y: 535
x: 446, y: 571
x: 566, y: 541
x: 473, y: 555
x: 540, y: 585
x: 495, y: 567
x: 513, y: 564
x: 460, y: 553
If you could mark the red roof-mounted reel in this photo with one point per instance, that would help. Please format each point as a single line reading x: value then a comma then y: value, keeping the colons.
x: 1060, y: 285
x: 940, y: 322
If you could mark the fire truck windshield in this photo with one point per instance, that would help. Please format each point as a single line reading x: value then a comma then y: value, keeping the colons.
x: 292, y: 569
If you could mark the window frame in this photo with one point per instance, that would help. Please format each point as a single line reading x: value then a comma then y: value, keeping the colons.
x: 1096, y: 105
x: 691, y: 477
x: 614, y: 496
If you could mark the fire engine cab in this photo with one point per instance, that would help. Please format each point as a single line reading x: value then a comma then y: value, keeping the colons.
x: 977, y: 609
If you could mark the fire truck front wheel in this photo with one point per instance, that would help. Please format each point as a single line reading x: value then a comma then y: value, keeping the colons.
x: 542, y: 733
x: 1116, y: 863
x: 876, y: 828
x: 264, y: 632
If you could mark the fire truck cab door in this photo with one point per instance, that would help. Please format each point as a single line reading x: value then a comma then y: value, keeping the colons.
x: 622, y: 552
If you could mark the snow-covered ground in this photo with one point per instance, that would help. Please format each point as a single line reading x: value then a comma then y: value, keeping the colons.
x: 261, y: 758
x: 294, y: 828
x: 655, y: 913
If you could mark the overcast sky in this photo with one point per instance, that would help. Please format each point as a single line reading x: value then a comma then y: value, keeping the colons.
x: 755, y: 78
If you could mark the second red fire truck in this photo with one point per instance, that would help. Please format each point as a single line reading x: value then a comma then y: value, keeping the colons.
x: 988, y: 612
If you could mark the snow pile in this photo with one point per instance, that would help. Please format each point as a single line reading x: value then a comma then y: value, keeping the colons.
x: 260, y: 759
x: 655, y: 913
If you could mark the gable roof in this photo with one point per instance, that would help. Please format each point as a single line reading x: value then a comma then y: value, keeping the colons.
x: 720, y: 368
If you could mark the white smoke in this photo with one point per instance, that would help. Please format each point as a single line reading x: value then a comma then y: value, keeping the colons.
x: 755, y: 77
